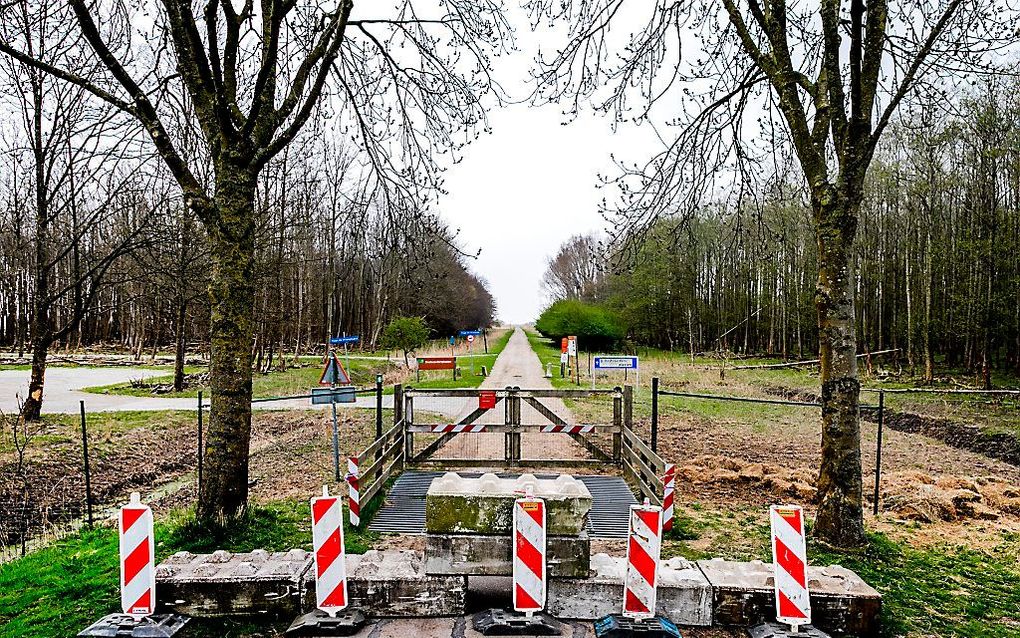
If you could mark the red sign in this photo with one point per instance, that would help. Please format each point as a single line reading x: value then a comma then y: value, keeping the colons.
x: 486, y: 399
x: 437, y: 363
x: 563, y: 345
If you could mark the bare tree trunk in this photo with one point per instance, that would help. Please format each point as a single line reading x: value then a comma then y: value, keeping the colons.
x: 224, y: 492
x: 182, y: 316
x: 840, y: 507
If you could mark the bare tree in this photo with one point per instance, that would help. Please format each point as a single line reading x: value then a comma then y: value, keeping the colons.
x: 576, y: 270
x: 78, y: 187
x: 408, y: 85
x: 821, y: 80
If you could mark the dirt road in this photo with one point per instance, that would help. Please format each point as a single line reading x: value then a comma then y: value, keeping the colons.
x: 516, y: 366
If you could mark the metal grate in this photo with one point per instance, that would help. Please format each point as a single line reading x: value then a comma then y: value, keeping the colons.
x: 404, y: 510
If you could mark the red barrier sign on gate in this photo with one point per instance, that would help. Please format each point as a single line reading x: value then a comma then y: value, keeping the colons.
x: 486, y: 399
x: 137, y: 559
x: 789, y: 558
x: 529, y: 554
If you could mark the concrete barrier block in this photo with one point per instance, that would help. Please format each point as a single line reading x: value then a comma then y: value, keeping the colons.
x: 393, y: 584
x: 474, y: 555
x: 684, y: 595
x: 841, y: 602
x: 484, y: 505
x: 223, y: 583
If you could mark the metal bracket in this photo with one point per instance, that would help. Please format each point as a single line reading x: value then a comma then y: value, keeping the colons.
x: 124, y: 626
x: 319, y: 624
x: 779, y: 630
x: 618, y: 626
x: 500, y: 622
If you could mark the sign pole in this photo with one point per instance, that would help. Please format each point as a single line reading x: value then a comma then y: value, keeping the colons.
x: 336, y: 432
x: 485, y: 339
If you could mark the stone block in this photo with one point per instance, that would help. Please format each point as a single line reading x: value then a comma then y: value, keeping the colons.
x: 484, y: 505
x: 222, y: 583
x: 684, y: 595
x: 841, y: 602
x: 474, y: 555
x: 393, y: 584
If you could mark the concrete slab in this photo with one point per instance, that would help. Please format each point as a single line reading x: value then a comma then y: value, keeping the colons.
x: 684, y: 595
x: 393, y: 584
x: 474, y: 555
x: 484, y: 505
x: 841, y: 602
x: 222, y: 583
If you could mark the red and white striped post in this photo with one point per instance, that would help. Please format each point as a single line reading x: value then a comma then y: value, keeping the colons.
x: 789, y: 558
x: 643, y: 548
x: 669, y: 486
x: 137, y: 559
x: 328, y: 548
x: 529, y: 567
x: 353, y: 496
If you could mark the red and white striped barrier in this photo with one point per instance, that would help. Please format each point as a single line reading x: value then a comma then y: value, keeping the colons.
x: 569, y: 429
x: 669, y: 486
x: 529, y: 569
x: 353, y: 496
x: 642, y: 561
x: 137, y: 559
x: 789, y: 558
x: 457, y: 427
x: 328, y: 548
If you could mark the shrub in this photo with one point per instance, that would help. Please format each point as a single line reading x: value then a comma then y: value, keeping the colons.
x: 594, y: 326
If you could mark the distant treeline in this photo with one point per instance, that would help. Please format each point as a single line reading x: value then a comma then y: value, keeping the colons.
x: 133, y: 263
x: 937, y: 257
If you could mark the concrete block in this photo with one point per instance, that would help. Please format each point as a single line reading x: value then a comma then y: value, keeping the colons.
x: 841, y: 602
x: 474, y: 555
x: 393, y: 584
x: 222, y: 583
x: 684, y: 595
x: 484, y: 505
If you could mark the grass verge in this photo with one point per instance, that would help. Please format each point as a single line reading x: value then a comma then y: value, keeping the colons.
x: 57, y: 591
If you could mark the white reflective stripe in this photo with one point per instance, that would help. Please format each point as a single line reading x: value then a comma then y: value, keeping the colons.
x: 635, y: 581
x: 334, y: 576
x: 145, y: 579
x: 134, y: 590
x: 524, y: 577
x: 783, y: 531
x: 328, y: 524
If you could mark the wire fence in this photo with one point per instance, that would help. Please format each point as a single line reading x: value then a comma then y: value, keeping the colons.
x: 61, y: 477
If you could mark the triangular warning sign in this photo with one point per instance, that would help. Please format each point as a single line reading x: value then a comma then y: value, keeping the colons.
x: 334, y: 372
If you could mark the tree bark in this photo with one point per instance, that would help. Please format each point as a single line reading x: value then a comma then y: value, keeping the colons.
x: 182, y: 316
x: 224, y: 492
x: 840, y: 507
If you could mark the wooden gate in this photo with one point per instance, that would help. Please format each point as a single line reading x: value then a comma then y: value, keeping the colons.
x: 513, y: 427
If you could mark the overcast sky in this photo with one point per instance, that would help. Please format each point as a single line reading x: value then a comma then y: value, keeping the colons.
x: 530, y: 185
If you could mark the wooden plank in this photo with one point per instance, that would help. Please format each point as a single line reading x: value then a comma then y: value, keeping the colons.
x: 567, y: 394
x: 639, y: 481
x: 370, y: 471
x: 370, y: 493
x: 646, y: 452
x: 378, y: 443
x: 647, y: 475
x: 446, y: 438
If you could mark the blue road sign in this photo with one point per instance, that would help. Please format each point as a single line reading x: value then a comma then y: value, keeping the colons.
x: 337, y: 341
x: 470, y: 333
x: 616, y: 363
x: 325, y: 396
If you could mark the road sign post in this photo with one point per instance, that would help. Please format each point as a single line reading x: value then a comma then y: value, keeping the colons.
x: 604, y: 362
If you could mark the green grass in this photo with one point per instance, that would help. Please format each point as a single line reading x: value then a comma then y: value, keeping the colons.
x: 65, y: 429
x: 942, y: 590
x: 939, y: 591
x: 57, y: 591
x: 470, y: 375
x: 292, y: 381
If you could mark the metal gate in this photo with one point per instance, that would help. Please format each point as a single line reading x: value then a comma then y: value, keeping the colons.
x: 514, y: 427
